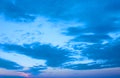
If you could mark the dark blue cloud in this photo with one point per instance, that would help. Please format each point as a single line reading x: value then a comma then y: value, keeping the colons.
x: 84, y: 66
x: 93, y: 34
x: 91, y: 38
x: 99, y: 30
x: 86, y: 10
x: 55, y: 56
x: 13, y: 12
x: 99, y: 17
x: 109, y: 52
x: 104, y: 56
x: 9, y: 65
x: 35, y: 70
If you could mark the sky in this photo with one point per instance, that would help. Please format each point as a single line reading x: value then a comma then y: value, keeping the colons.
x: 59, y: 38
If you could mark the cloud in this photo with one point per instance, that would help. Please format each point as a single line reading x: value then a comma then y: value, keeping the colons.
x: 85, y: 10
x: 91, y: 38
x: 28, y: 61
x: 13, y: 12
x: 101, y: 20
x: 90, y: 34
x: 107, y: 57
x: 94, y: 31
x: 109, y: 53
x: 9, y: 65
x: 84, y: 66
x: 103, y: 56
x: 35, y: 70
x: 40, y: 51
x: 99, y: 28
x: 22, y: 10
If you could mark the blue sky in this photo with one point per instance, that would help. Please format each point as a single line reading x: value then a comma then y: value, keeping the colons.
x: 59, y: 38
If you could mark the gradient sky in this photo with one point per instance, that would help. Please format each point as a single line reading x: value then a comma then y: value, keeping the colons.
x: 59, y: 38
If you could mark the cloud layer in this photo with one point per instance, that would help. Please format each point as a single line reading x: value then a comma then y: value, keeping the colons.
x: 59, y: 35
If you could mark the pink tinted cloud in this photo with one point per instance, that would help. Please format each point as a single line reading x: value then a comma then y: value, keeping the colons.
x: 6, y: 72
